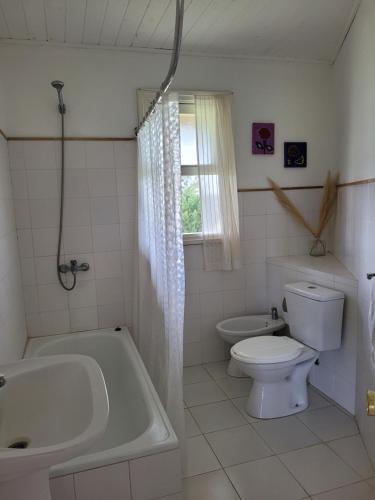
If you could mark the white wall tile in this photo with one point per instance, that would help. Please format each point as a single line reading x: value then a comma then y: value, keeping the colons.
x: 36, y: 184
x: 102, y: 182
x: 52, y: 297
x: 76, y: 183
x: 75, y: 154
x: 45, y: 241
x: 19, y: 184
x: 111, y: 315
x: 54, y: 322
x: 44, y: 213
x: 104, y: 210
x: 108, y: 264
x: 100, y: 155
x: 106, y: 238
x: 77, y: 212
x: 43, y: 184
x: 83, y: 295
x: 40, y: 155
x: 84, y: 319
x: 77, y: 240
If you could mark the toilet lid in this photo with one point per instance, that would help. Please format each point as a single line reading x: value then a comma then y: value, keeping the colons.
x: 267, y: 349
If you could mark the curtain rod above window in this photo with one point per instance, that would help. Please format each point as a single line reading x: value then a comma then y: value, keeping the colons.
x: 173, y: 64
x: 194, y: 92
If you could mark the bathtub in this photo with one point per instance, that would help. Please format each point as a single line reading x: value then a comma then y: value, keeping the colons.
x: 138, y: 428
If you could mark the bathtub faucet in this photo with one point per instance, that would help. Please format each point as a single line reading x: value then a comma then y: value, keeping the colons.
x: 74, y: 267
x: 3, y: 381
x: 274, y: 313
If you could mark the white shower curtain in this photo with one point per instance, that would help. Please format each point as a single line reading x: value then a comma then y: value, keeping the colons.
x: 161, y: 281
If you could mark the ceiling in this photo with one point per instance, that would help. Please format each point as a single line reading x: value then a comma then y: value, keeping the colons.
x: 293, y: 29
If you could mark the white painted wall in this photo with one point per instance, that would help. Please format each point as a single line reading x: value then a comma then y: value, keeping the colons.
x: 354, y: 77
x: 101, y: 88
x: 12, y: 315
x: 2, y: 107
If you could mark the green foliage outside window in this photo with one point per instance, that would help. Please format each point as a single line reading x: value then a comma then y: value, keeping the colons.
x: 191, y: 205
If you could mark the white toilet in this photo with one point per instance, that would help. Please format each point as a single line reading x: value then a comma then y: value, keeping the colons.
x: 279, y: 366
x: 234, y: 330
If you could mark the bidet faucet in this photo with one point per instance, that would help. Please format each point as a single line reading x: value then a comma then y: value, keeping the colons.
x: 3, y: 380
x: 274, y: 313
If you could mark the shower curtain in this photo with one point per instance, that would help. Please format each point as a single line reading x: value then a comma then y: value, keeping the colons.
x: 161, y: 282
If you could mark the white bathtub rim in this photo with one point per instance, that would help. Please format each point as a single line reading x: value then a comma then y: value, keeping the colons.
x: 138, y: 447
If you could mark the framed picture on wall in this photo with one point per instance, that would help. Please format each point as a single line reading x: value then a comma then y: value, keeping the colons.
x: 263, y: 139
x: 295, y: 154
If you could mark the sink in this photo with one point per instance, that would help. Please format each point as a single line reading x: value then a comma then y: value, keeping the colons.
x: 52, y: 409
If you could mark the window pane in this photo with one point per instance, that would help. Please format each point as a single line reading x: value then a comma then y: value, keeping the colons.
x: 190, y: 204
x: 188, y: 139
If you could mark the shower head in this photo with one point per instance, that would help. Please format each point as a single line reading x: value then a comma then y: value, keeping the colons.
x: 58, y: 85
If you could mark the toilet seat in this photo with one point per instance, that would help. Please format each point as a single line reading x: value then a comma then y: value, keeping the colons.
x: 267, y: 349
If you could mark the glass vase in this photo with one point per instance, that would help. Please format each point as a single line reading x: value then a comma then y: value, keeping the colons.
x: 319, y: 248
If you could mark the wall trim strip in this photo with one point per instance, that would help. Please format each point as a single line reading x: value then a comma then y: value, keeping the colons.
x: 111, y: 139
x: 124, y: 139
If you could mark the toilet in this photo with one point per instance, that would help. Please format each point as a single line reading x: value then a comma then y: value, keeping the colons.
x: 279, y: 366
x: 233, y: 330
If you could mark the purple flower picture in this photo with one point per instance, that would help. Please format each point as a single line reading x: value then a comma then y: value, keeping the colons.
x: 263, y: 139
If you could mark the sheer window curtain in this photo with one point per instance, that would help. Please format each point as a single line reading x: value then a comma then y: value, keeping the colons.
x: 218, y: 182
x: 160, y: 295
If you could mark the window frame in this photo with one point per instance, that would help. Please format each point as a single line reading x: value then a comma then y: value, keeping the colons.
x: 144, y: 98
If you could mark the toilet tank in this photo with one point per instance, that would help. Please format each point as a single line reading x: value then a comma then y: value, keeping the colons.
x: 315, y: 315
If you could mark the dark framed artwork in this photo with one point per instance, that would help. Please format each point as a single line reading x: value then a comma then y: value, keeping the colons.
x: 295, y: 154
x: 263, y: 139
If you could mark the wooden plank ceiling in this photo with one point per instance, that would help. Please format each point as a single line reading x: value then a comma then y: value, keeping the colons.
x: 295, y: 29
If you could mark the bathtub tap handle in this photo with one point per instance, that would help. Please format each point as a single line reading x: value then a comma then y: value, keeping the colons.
x: 3, y: 381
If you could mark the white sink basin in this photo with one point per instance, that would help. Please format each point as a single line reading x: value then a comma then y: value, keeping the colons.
x: 51, y: 409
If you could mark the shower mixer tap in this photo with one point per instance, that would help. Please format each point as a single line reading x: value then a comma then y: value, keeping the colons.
x: 74, y: 267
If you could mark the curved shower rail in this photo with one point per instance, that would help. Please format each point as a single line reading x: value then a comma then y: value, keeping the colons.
x: 172, y: 66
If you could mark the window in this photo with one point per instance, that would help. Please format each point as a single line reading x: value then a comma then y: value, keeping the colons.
x: 190, y: 192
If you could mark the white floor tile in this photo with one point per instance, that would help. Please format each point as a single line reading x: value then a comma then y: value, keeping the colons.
x: 211, y: 486
x: 265, y: 479
x: 240, y: 403
x: 199, y: 457
x: 318, y: 469
x: 285, y: 434
x: 353, y: 452
x: 191, y: 427
x: 194, y: 374
x: 234, y: 387
x: 358, y: 491
x: 329, y: 423
x: 238, y: 445
x: 316, y: 400
x: 202, y: 393
x: 218, y: 369
x: 217, y: 416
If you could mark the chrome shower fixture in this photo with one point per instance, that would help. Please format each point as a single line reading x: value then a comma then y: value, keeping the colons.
x: 58, y: 85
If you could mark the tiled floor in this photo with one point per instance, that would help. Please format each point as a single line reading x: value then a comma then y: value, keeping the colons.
x: 317, y: 454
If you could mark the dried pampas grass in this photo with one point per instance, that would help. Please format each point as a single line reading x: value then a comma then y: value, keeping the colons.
x: 326, y: 208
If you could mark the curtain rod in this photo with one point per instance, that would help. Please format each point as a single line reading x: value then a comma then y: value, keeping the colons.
x: 172, y: 66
